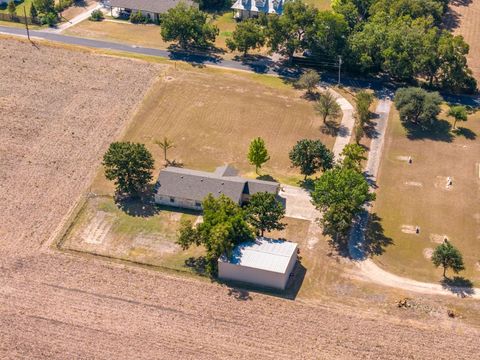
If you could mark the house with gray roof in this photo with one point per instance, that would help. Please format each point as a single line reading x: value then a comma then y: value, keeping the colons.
x: 186, y: 188
x: 244, y: 9
x: 149, y: 8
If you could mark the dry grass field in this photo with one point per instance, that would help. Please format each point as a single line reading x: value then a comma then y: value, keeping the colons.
x: 212, y: 115
x: 417, y: 195
x: 59, y: 305
x: 464, y: 19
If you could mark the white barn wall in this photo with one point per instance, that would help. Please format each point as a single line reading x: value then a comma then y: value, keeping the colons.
x: 260, y: 277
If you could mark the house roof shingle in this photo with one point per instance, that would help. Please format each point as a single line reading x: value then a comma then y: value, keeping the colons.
x: 196, y: 185
x: 154, y: 6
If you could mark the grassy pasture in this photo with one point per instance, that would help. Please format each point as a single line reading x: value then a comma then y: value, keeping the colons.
x: 416, y: 195
x: 212, y: 115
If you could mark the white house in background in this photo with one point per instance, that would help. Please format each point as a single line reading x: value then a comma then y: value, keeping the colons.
x: 150, y: 8
x: 187, y: 188
x: 263, y: 262
x: 244, y: 9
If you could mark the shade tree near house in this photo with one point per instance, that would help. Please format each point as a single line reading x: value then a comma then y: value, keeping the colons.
x: 309, y: 81
x: 248, y: 35
x: 327, y: 107
x: 129, y: 165
x: 265, y: 212
x: 417, y: 106
x: 224, y: 226
x: 257, y: 153
x: 448, y: 257
x: 340, y: 193
x: 287, y: 33
x: 311, y: 156
x: 459, y: 113
x: 188, y: 26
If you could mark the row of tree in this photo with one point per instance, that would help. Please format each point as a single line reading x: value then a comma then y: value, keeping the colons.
x: 401, y: 38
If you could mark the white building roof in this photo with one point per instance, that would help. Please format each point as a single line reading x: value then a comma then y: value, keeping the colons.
x: 264, y: 254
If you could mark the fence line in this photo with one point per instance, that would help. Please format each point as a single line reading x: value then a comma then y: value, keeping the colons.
x: 17, y: 19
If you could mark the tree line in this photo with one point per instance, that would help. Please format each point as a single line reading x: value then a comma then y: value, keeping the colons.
x: 403, y: 39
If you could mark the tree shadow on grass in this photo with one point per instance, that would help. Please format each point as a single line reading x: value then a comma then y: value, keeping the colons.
x: 196, y: 56
x: 333, y: 128
x: 458, y: 285
x: 465, y: 132
x: 142, y: 205
x: 370, y: 126
x: 439, y: 130
x: 267, y: 177
x: 375, y: 239
x: 197, y: 264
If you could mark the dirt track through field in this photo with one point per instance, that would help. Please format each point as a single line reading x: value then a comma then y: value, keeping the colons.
x: 61, y: 306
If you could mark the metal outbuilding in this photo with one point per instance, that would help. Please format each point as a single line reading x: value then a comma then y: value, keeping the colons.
x: 263, y: 262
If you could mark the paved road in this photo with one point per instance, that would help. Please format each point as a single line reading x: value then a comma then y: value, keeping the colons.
x: 264, y: 65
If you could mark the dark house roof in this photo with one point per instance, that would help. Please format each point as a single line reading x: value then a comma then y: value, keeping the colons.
x: 154, y: 6
x: 196, y: 185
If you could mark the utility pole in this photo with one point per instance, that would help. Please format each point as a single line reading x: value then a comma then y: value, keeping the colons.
x: 339, y: 67
x: 26, y: 23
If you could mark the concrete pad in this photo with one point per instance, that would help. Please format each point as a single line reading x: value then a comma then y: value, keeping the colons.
x: 298, y: 203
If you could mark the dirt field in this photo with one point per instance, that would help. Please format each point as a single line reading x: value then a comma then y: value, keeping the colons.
x: 464, y: 19
x: 418, y: 195
x: 50, y: 139
x: 56, y: 305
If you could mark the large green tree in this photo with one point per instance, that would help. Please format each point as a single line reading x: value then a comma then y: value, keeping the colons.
x: 340, y: 193
x: 363, y: 101
x: 129, y: 165
x: 257, y: 153
x: 224, y: 226
x: 286, y: 33
x: 417, y: 105
x: 265, y: 212
x: 45, y: 6
x: 327, y: 106
x: 311, y: 156
x: 454, y: 73
x: 248, y: 35
x: 188, y: 26
x: 449, y: 257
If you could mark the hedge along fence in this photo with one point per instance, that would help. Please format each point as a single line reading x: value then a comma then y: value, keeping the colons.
x: 18, y: 19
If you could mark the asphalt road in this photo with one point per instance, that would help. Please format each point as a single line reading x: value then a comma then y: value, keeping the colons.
x: 264, y: 65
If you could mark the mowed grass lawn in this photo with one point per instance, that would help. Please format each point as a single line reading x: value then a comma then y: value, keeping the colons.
x: 416, y: 195
x: 212, y: 115
x: 20, y: 6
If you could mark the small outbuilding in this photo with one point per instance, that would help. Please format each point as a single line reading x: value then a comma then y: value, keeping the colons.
x: 264, y: 262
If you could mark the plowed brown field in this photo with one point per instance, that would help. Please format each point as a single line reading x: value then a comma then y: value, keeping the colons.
x: 59, y: 110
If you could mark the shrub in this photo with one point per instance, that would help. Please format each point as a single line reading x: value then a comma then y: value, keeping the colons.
x: 49, y: 19
x: 96, y: 15
x: 138, y: 18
